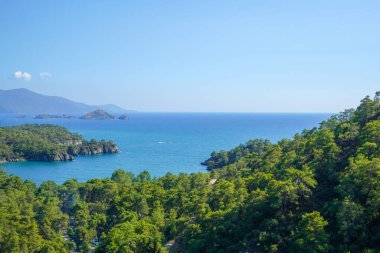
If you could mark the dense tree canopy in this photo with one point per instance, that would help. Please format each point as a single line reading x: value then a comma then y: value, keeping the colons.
x: 318, y: 192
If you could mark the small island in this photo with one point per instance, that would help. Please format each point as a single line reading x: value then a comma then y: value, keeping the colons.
x: 123, y: 117
x: 48, y: 143
x: 52, y: 116
x: 97, y: 115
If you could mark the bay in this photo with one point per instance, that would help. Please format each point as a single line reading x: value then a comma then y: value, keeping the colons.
x: 159, y: 142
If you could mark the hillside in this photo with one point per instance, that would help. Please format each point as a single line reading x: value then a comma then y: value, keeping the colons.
x: 316, y: 192
x: 28, y: 102
x: 47, y: 143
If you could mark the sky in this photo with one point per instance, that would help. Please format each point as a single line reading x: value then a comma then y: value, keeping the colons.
x: 194, y: 56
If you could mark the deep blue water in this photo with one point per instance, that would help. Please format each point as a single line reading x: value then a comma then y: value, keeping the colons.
x: 159, y: 142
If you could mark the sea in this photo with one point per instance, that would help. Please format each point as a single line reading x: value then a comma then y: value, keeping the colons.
x: 159, y: 142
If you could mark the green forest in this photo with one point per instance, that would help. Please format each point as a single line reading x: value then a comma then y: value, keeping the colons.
x: 45, y: 142
x: 316, y: 192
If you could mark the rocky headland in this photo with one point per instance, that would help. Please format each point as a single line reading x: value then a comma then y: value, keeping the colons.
x: 48, y: 143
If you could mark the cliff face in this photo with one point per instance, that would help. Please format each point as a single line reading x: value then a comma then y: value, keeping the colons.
x: 83, y: 148
x: 93, y: 148
x: 67, y: 153
x: 59, y: 157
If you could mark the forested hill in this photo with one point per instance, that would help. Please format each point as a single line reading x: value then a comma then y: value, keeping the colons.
x: 318, y: 192
x: 220, y: 159
x: 47, y: 143
x: 350, y: 121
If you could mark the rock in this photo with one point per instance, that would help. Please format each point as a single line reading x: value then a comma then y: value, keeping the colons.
x: 62, y: 157
x: 12, y: 160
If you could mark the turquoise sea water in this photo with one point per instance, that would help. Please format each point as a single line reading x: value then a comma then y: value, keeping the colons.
x: 159, y: 142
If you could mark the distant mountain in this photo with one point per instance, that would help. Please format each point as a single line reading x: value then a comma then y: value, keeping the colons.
x: 28, y: 102
x: 112, y: 108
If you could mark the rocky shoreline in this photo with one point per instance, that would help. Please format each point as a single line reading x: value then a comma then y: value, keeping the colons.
x: 100, y: 148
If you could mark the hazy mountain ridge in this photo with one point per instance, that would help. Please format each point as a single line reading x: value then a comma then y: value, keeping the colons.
x: 29, y: 102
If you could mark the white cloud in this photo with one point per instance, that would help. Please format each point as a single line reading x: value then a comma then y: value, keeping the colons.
x: 45, y: 75
x: 19, y: 75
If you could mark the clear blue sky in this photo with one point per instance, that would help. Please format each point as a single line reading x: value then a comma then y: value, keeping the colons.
x: 243, y: 56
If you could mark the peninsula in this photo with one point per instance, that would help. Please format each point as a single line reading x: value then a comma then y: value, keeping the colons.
x: 33, y: 142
